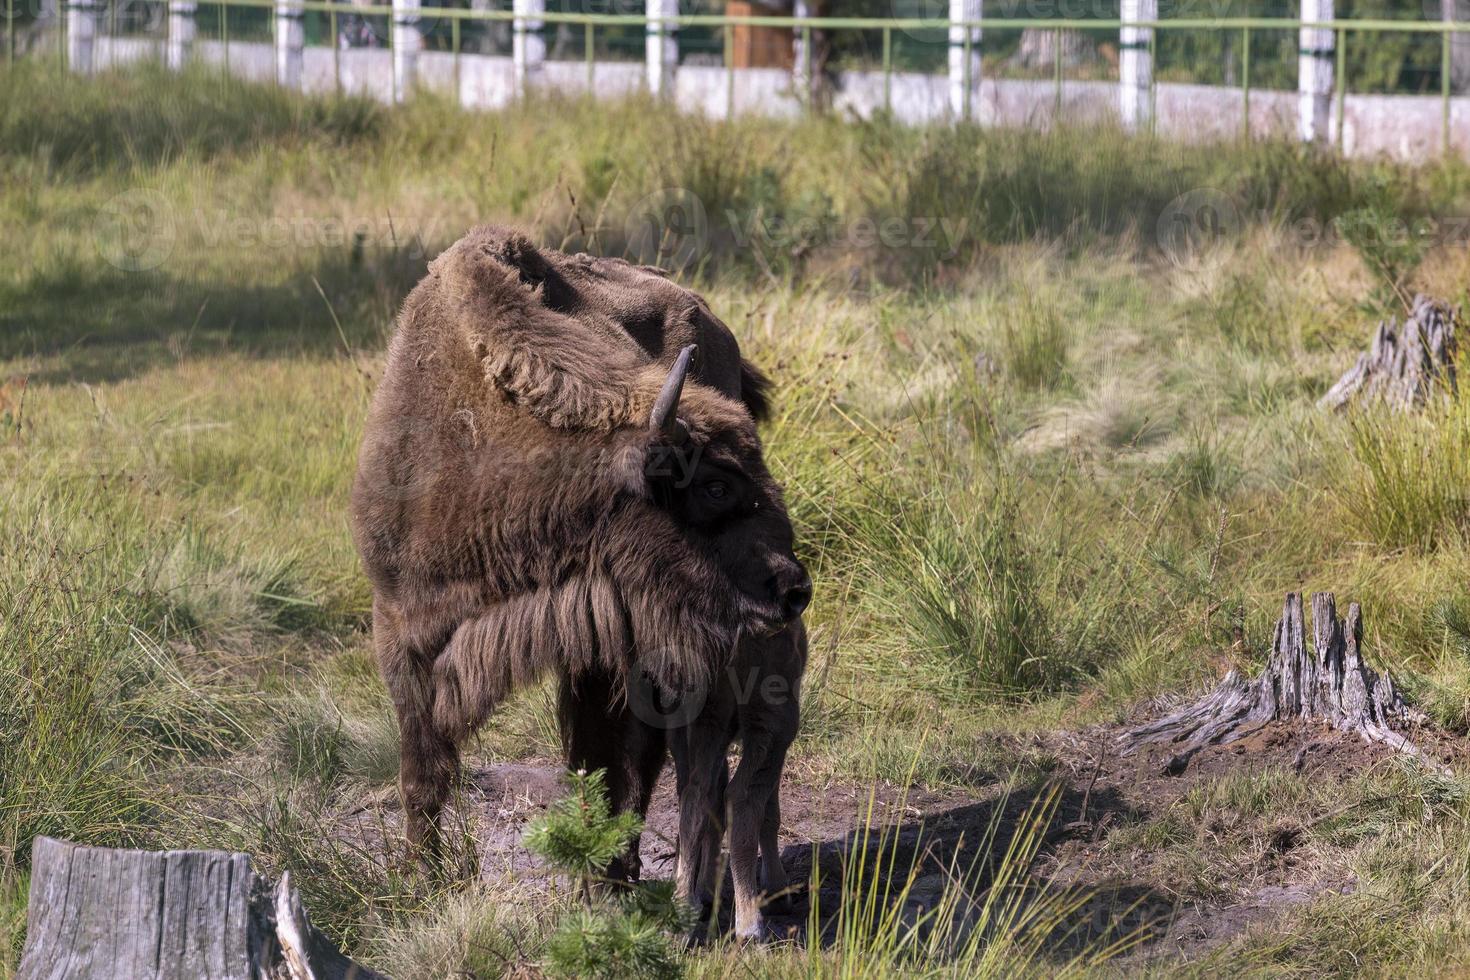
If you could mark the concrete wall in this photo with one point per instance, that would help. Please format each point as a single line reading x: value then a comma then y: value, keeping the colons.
x: 1406, y: 127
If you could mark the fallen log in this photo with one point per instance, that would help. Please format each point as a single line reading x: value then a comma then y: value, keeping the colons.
x: 1406, y: 363
x: 98, y: 912
x: 1331, y: 683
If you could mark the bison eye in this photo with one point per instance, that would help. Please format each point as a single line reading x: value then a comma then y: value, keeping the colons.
x: 717, y: 489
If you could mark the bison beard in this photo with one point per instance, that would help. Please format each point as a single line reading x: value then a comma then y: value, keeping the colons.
x: 511, y: 525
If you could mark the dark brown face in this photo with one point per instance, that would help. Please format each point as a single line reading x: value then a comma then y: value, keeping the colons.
x: 730, y: 509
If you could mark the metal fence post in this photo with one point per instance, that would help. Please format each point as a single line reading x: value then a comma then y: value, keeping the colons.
x: 1153, y: 84
x: 528, y: 42
x: 1056, y: 74
x: 729, y: 71
x: 1136, y: 63
x: 661, y: 46
x: 1341, y: 83
x: 809, y: 67
x: 1314, y: 71
x: 408, y: 41
x: 801, y: 53
x: 888, y: 69
x: 1245, y: 82
x: 1446, y: 71
x: 336, y: 49
x: 964, y: 58
x: 9, y: 32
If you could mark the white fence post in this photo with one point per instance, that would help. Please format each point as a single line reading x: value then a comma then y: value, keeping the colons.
x: 661, y: 46
x: 1317, y: 47
x: 408, y: 41
x: 181, y: 32
x: 290, y: 43
x: 964, y: 73
x: 1136, y: 64
x: 528, y: 42
x: 800, y: 56
x: 83, y: 24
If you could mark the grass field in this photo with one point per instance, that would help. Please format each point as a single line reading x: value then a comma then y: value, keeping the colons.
x: 1052, y: 462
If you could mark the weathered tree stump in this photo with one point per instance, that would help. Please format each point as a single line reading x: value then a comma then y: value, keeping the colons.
x: 1331, y: 683
x: 98, y: 912
x: 1407, y: 362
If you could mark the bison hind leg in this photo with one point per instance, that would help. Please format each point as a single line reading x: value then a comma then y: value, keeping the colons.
x: 600, y: 731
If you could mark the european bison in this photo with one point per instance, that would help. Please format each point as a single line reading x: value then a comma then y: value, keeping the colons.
x: 538, y: 490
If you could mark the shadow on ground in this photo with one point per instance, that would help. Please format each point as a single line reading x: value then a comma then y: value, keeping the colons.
x: 903, y: 848
x: 93, y: 322
x: 907, y: 865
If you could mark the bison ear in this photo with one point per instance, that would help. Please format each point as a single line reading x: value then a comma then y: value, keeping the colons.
x: 664, y: 419
x: 521, y: 254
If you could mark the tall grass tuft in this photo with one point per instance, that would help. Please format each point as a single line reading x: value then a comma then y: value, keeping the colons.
x: 990, y: 918
x: 1412, y: 482
x: 1035, y: 343
x: 969, y: 595
x: 89, y: 700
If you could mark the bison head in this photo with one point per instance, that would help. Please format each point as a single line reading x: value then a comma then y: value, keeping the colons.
x: 707, y: 473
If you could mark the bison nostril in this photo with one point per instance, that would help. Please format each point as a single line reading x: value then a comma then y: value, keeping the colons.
x: 796, y: 600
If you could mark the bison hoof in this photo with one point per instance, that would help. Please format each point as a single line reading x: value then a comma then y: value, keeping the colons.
x: 698, y: 937
x: 751, y: 930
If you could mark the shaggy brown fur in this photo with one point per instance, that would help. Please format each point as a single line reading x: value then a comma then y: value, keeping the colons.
x: 516, y: 515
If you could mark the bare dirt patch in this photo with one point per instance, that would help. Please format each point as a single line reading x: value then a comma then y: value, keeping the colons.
x: 1098, y: 839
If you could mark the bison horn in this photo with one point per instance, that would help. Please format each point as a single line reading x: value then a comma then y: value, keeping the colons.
x: 665, y: 410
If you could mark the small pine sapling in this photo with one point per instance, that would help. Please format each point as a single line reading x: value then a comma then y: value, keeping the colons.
x: 625, y: 933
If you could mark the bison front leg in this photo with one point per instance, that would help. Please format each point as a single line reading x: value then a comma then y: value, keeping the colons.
x: 751, y: 790
x: 774, y: 880
x: 699, y: 761
x: 428, y: 765
x: 428, y: 762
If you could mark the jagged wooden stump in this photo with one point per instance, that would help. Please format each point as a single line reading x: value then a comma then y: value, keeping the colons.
x: 1406, y: 363
x: 1330, y: 683
x: 98, y: 912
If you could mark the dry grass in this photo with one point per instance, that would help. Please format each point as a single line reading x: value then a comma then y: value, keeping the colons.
x: 1039, y: 476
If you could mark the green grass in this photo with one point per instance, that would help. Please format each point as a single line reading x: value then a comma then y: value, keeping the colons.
x: 1041, y: 469
x: 1414, y: 474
